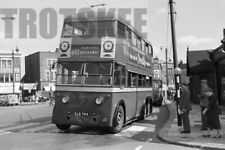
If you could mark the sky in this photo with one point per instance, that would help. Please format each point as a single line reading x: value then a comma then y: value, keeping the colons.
x: 198, y: 24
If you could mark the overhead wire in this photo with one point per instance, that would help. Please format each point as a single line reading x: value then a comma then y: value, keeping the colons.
x: 120, y: 1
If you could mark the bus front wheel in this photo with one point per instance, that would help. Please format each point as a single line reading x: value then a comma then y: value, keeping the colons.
x: 63, y: 127
x: 118, y: 120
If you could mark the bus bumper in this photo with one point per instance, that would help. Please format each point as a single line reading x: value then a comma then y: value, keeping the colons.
x: 81, y: 119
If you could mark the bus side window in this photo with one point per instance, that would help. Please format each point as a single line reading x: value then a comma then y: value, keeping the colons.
x: 148, y: 81
x: 117, y: 72
x: 119, y: 75
x: 123, y: 76
x: 134, y: 80
x: 65, y: 74
x: 129, y: 79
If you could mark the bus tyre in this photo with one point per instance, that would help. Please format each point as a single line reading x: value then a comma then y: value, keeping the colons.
x: 118, y: 120
x: 63, y: 127
x: 143, y: 112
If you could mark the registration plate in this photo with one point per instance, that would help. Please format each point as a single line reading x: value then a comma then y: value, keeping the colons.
x: 81, y: 114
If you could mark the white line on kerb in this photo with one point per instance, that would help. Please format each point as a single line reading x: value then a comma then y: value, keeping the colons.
x: 139, y: 147
x: 4, y: 133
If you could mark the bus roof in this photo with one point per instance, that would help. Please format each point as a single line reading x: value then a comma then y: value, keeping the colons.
x: 103, y: 16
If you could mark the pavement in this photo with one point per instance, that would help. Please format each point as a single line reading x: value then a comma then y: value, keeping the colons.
x: 31, y: 103
x: 170, y: 133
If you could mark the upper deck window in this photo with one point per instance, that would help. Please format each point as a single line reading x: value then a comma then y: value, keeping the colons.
x: 128, y: 35
x: 134, y: 39
x: 89, y: 28
x: 138, y: 42
x: 121, y: 30
x: 67, y: 30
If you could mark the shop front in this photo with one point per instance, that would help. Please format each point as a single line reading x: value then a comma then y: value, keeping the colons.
x: 200, y: 66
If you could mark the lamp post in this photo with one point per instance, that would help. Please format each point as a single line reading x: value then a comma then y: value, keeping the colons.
x: 13, y: 67
x: 177, y: 70
x: 177, y: 73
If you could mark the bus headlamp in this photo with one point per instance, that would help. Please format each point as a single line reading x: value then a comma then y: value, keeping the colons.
x: 65, y: 99
x: 99, y: 100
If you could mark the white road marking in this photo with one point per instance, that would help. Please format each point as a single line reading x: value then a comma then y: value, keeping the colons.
x: 149, y: 140
x: 139, y: 147
x: 151, y: 128
x: 131, y: 131
x: 4, y: 133
x: 152, y: 117
x: 135, y: 128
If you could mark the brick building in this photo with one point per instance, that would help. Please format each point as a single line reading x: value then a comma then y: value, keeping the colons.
x: 39, y: 71
x: 10, y: 72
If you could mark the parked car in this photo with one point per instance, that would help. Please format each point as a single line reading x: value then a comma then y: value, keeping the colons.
x: 10, y: 99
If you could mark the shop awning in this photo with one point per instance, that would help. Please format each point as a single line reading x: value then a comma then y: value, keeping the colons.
x: 199, y: 62
x: 29, y: 86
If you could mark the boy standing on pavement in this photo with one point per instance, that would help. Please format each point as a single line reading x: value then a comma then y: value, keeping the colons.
x: 204, y: 102
x: 185, y: 107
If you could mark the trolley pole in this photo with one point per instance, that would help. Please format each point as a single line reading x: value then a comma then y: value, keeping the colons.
x: 179, y: 123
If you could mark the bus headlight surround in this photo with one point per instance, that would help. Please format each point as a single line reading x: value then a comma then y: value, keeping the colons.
x: 64, y: 46
x: 108, y: 46
x: 65, y: 99
x: 99, y: 100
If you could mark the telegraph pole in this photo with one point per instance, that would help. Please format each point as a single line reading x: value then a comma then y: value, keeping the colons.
x: 176, y: 76
x: 173, y: 34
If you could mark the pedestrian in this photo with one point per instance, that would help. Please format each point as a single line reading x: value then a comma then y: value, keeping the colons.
x: 51, y: 97
x: 185, y: 108
x: 212, y: 112
x: 204, y: 103
x: 37, y: 97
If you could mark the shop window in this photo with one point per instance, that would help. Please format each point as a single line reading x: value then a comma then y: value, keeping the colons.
x: 17, y: 77
x: 11, y: 77
x: 2, y: 77
x: 7, y: 77
x: 47, y: 75
x: 50, y: 62
x: 3, y: 63
x: 9, y: 63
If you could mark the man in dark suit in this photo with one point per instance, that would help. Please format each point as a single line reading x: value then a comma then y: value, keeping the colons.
x: 185, y: 107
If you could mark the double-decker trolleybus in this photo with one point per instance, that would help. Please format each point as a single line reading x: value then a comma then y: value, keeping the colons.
x: 104, y: 74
